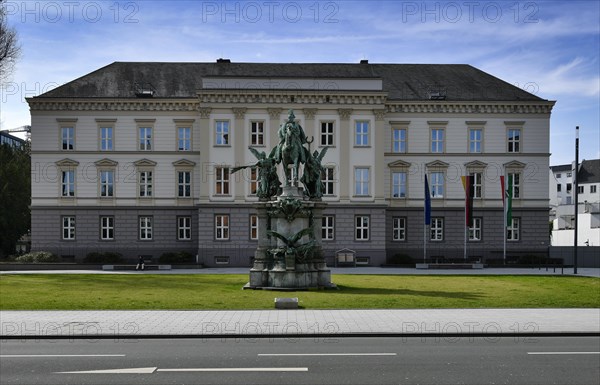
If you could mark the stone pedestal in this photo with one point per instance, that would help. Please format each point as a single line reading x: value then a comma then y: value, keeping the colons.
x: 297, y: 262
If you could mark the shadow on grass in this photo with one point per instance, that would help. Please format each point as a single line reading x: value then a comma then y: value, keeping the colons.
x: 406, y: 292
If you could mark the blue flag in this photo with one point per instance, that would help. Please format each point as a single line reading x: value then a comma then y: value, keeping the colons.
x: 427, y: 203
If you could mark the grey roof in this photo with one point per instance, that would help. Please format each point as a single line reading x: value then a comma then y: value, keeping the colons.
x: 590, y: 171
x: 460, y: 82
x: 562, y: 167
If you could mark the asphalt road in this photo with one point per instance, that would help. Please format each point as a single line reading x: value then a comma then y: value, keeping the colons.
x: 449, y: 360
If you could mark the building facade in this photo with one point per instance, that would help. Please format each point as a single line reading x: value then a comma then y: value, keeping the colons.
x: 136, y: 158
x: 562, y: 204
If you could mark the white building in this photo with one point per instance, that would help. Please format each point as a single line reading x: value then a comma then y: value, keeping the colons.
x: 135, y: 158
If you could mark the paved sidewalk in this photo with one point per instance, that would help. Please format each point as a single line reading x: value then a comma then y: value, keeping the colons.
x: 465, y: 322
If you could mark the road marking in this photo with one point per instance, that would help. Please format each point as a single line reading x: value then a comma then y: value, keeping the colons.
x: 114, y: 371
x: 235, y: 370
x: 558, y: 353
x: 324, y: 354
x: 58, y: 355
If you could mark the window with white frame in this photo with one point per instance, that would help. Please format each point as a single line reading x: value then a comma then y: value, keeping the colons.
x: 221, y: 181
x: 328, y: 179
x: 68, y: 138
x: 184, y: 138
x: 513, y: 230
x: 475, y: 137
x: 107, y: 183
x: 362, y: 227
x: 327, y: 134
x: 399, y: 140
x: 399, y: 184
x: 437, y: 229
x: 593, y: 189
x: 184, y: 184
x: 106, y: 138
x: 516, y: 190
x: 361, y: 133
x: 68, y: 183
x: 221, y: 227
x: 328, y: 228
x: 362, y: 181
x: 184, y: 228
x: 145, y: 138
x: 437, y: 140
x: 222, y: 132
x: 107, y: 228
x: 477, y: 189
x: 514, y: 140
x: 475, y: 230
x: 437, y: 184
x: 257, y: 133
x: 145, y: 184
x: 580, y: 189
x: 399, y: 229
x: 68, y: 228
x: 145, y: 228
x: 253, y: 227
x: 253, y: 181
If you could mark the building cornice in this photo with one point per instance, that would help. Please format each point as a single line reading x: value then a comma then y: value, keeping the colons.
x: 262, y: 98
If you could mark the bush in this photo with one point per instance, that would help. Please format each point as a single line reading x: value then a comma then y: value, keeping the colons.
x: 174, y: 258
x: 401, y: 259
x: 38, y: 257
x: 104, y: 257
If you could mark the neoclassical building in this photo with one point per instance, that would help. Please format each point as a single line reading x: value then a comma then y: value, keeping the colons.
x: 136, y: 158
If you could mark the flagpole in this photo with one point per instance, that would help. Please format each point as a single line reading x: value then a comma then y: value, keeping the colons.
x: 503, y: 187
x: 466, y: 186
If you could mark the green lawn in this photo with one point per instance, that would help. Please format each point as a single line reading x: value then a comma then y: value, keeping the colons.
x: 202, y: 291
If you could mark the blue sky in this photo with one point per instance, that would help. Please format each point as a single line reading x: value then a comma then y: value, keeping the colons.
x: 550, y: 48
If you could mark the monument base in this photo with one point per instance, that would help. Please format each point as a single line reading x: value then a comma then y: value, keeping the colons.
x: 290, y: 280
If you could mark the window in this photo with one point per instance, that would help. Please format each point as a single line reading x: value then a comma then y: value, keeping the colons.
x: 399, y: 140
x: 512, y: 231
x: 516, y: 177
x: 145, y: 138
x: 361, y: 181
x: 558, y: 175
x: 184, y: 228
x: 253, y: 181
x: 145, y: 228
x: 437, y: 184
x: 569, y: 174
x: 327, y: 138
x: 569, y: 187
x: 184, y: 138
x: 68, y: 138
x: 107, y: 228
x: 514, y: 140
x: 222, y: 132
x: 437, y: 229
x: 68, y: 183
x: 477, y: 190
x: 68, y: 228
x: 222, y: 227
x: 361, y: 134
x: 399, y: 185
x: 107, y: 178
x: 362, y: 228
x: 593, y: 189
x: 222, y: 181
x: 257, y: 133
x: 580, y: 189
x: 327, y: 177
x: 253, y: 227
x: 145, y: 184
x: 475, y: 140
x: 328, y: 227
x: 437, y: 140
x: 558, y: 187
x: 184, y: 184
x: 399, y: 229
x: 475, y: 231
x: 106, y: 138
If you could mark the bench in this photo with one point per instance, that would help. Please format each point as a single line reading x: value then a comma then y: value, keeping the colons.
x: 132, y: 267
